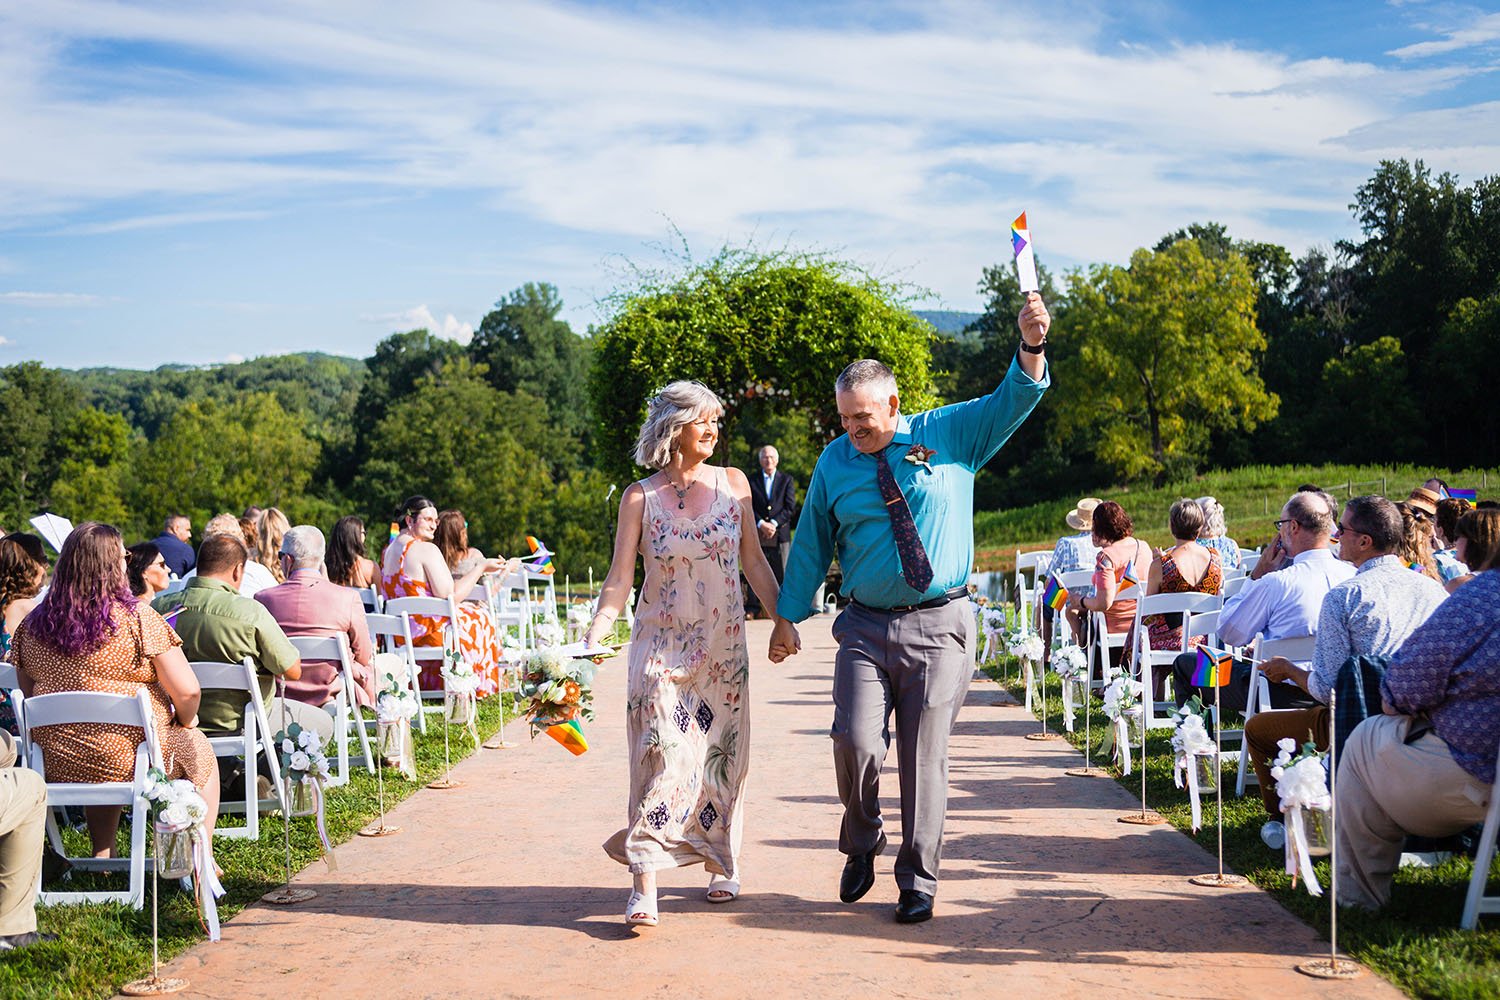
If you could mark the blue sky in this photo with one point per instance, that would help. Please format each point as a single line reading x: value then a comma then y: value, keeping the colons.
x: 198, y: 182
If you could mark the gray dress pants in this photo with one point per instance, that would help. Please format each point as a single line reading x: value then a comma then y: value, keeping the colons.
x: 916, y: 664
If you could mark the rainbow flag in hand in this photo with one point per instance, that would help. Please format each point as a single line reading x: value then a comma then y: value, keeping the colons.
x: 1056, y: 595
x: 570, y: 735
x: 543, y: 561
x: 1471, y: 496
x: 1129, y: 579
x: 1213, y: 669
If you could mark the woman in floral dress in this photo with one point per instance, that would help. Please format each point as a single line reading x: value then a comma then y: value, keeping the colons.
x: 687, y: 698
x: 413, y: 566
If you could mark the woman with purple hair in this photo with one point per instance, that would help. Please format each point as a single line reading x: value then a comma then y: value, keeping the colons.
x: 91, y: 634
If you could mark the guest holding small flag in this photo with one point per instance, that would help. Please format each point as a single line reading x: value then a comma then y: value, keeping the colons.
x: 1122, y: 563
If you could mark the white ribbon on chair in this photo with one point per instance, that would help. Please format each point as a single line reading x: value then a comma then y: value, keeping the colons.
x: 206, y: 882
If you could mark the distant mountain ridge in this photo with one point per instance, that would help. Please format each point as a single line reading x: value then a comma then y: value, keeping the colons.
x: 947, y: 321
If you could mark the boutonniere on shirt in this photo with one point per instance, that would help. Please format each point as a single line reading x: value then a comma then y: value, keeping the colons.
x: 917, y: 455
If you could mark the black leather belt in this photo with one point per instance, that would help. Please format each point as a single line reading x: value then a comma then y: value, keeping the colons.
x: 937, y: 602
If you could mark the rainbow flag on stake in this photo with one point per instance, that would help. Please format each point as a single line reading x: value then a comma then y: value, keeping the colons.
x: 1020, y: 243
x: 570, y: 735
x: 1213, y: 669
x: 1056, y: 595
x: 1472, y: 496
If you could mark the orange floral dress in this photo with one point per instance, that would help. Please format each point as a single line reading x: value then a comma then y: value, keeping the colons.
x: 89, y: 752
x: 478, y: 639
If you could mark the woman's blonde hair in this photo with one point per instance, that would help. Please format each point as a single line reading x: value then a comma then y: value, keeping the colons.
x: 269, y: 533
x: 1213, y: 518
x: 667, y: 413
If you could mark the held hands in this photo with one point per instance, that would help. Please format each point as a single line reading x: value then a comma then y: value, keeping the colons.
x: 784, y: 640
x: 1034, y: 320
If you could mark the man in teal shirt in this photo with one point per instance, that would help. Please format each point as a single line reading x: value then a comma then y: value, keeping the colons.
x: 893, y: 499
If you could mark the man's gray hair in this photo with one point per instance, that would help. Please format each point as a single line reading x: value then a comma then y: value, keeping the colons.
x: 866, y: 373
x: 1314, y: 511
x: 173, y: 519
x: 305, y: 544
x: 667, y: 413
x: 1213, y: 518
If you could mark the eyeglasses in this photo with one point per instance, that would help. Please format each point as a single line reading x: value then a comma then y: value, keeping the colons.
x: 1284, y: 520
x: 1343, y: 528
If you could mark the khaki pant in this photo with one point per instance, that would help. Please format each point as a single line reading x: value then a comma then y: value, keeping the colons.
x: 1264, y: 730
x: 23, y: 814
x: 1387, y: 790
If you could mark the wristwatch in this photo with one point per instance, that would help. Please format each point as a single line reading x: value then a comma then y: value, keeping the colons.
x: 1038, y: 349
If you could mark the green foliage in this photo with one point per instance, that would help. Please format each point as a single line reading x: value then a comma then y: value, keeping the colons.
x: 1371, y: 381
x: 92, y: 480
x: 767, y: 332
x: 35, y: 404
x: 1167, y: 349
x: 526, y: 348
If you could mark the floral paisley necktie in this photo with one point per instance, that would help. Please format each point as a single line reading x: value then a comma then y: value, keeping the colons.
x: 914, y: 565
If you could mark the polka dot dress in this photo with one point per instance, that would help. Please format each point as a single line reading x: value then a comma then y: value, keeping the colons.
x: 89, y: 752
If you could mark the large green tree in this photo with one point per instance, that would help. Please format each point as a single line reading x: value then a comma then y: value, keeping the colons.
x: 527, y: 348
x: 1167, y: 350
x: 36, y: 403
x: 768, y: 332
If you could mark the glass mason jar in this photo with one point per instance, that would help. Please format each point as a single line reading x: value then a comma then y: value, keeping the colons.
x: 1319, y: 826
x: 174, y: 852
x: 391, y: 739
x: 458, y: 709
x: 1208, y: 771
x: 304, y: 798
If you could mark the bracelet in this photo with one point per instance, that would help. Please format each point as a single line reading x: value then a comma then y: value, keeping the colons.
x: 1038, y: 349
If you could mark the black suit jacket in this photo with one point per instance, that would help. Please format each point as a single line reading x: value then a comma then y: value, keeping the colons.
x: 780, y: 506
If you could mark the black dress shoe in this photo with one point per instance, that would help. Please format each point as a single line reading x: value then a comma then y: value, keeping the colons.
x: 915, y: 906
x: 859, y: 874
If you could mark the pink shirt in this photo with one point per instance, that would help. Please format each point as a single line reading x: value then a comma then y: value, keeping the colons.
x: 308, y: 604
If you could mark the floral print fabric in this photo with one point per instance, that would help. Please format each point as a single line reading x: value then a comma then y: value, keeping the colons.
x: 687, y: 700
x: 478, y: 639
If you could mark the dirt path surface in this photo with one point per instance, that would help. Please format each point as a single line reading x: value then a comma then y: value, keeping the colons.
x: 500, y: 888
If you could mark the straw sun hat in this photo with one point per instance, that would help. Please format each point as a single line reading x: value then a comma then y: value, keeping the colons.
x: 1081, y: 517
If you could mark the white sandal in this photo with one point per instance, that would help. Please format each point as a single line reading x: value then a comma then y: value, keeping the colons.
x: 728, y: 886
x: 641, y: 910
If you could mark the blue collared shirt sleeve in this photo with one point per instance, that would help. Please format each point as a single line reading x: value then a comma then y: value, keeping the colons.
x: 975, y: 430
x: 812, y: 551
x: 1333, y: 646
x: 1246, y: 613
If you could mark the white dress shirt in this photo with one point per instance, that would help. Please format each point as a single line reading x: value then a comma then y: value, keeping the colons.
x: 1284, y: 604
x: 256, y: 578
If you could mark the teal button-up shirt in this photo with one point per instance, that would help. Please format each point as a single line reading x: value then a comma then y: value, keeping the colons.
x: 843, y: 514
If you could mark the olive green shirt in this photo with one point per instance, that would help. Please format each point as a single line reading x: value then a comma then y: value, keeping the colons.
x: 217, y: 625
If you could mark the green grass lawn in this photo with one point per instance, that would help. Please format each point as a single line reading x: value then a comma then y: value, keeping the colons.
x: 1414, y: 942
x: 1252, y: 497
x: 102, y: 946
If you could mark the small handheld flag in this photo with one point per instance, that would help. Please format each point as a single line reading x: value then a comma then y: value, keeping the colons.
x: 1128, y: 579
x: 1020, y: 243
x: 1471, y: 496
x: 395, y: 530
x: 1214, y: 668
x: 543, y: 561
x: 1056, y: 595
x: 570, y: 735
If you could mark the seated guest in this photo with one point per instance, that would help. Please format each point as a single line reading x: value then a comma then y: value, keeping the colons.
x: 1275, y: 556
x: 1478, y: 545
x: 269, y: 530
x: 412, y: 566
x: 220, y: 625
x: 1071, y: 554
x: 452, y: 539
x: 1370, y: 614
x: 147, y: 571
x: 255, y: 577
x: 309, y: 604
x: 173, y: 543
x: 90, y: 634
x: 23, y: 569
x: 1121, y: 555
x: 1185, y: 568
x: 23, y: 831
x: 1427, y: 766
x: 1445, y: 539
x: 1213, y: 534
x: 1284, y: 604
x: 1416, y: 539
x: 346, y: 561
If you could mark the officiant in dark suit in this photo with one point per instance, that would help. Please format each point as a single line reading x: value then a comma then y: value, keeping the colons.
x: 773, y: 498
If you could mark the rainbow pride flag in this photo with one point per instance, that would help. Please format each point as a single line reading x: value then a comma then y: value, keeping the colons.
x: 1056, y: 595
x: 1472, y: 496
x: 570, y: 735
x: 1213, y: 669
x: 543, y: 561
x: 1129, y: 579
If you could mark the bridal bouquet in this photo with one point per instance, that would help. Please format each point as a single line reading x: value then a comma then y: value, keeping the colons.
x: 558, y: 689
x: 1306, y: 807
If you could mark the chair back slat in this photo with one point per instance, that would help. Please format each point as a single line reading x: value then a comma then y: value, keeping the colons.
x: 224, y: 676
x: 321, y: 647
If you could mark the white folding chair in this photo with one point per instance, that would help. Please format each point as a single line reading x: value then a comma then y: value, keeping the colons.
x: 1030, y: 570
x: 252, y: 741
x: 392, y: 634
x: 1232, y: 585
x: 81, y: 707
x: 1477, y: 902
x: 370, y: 598
x: 346, y: 706
x: 1159, y: 713
x: 1248, y: 560
x: 1298, y: 649
x: 10, y: 688
x: 444, y: 608
x: 1101, y: 641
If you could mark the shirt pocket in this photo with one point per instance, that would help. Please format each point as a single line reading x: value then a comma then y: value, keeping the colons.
x: 928, y: 493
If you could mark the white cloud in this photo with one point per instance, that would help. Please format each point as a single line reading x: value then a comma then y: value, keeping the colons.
x: 160, y: 221
x: 1484, y: 30
x: 233, y: 359
x: 6, y: 342
x: 51, y: 299
x: 421, y: 318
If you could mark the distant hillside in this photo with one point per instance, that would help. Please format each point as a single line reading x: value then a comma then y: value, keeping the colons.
x: 948, y: 321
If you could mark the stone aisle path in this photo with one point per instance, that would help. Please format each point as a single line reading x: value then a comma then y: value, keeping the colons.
x: 500, y: 889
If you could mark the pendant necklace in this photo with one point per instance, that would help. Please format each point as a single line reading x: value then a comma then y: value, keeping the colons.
x: 682, y: 493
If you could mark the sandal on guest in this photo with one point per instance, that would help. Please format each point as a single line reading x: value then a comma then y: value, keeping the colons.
x: 641, y: 910
x: 722, y: 890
